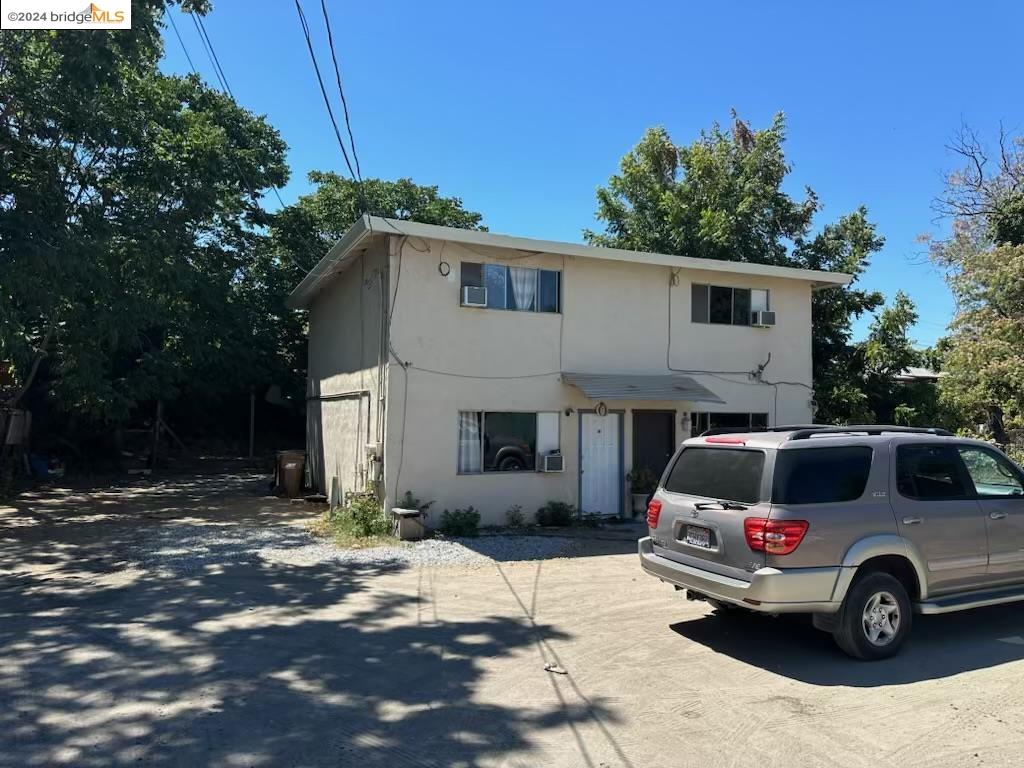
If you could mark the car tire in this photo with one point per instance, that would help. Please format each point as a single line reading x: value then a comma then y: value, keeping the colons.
x: 511, y: 464
x: 875, y: 619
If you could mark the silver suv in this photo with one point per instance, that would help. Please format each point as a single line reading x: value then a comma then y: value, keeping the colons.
x: 860, y: 526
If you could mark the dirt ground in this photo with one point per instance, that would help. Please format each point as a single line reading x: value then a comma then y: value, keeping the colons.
x: 242, y: 661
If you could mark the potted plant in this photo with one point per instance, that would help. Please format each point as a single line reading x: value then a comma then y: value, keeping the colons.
x: 642, y: 483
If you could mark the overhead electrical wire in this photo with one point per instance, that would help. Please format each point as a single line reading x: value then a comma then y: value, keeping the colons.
x: 211, y: 54
x: 224, y: 86
x: 323, y: 90
x: 341, y: 90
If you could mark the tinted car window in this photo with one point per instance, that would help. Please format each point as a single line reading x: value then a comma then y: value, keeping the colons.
x: 991, y: 473
x: 728, y: 474
x: 929, y: 472
x: 821, y: 475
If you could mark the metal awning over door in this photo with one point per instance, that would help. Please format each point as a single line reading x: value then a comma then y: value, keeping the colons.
x: 626, y: 386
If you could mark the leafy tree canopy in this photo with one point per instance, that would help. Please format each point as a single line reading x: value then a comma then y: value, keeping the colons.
x: 301, y: 234
x: 721, y: 197
x: 129, y: 205
x: 984, y: 262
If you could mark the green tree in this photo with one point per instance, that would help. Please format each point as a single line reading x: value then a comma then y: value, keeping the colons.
x: 129, y: 209
x: 985, y: 359
x: 984, y: 263
x: 721, y: 197
x: 302, y: 233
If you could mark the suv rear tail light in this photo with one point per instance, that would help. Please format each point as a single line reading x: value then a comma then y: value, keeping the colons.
x: 653, y: 513
x: 774, y: 537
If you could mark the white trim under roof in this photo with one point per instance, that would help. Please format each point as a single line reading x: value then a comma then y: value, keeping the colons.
x: 344, y: 251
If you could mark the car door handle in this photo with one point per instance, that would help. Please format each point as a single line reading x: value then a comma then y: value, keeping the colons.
x: 997, y: 515
x: 912, y: 520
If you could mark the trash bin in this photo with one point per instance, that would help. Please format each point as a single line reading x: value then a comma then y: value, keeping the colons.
x: 290, y: 471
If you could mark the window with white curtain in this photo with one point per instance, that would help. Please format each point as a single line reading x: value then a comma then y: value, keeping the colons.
x: 524, y: 289
x: 505, y: 441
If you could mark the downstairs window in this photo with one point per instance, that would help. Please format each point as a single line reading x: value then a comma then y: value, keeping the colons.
x: 505, y: 441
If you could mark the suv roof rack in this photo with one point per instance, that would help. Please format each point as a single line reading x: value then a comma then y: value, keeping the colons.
x: 869, y: 429
x: 751, y: 430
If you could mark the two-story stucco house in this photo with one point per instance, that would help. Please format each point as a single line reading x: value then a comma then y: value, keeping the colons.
x: 481, y: 369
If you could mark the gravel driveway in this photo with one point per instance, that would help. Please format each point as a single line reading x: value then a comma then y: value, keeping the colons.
x: 196, y: 623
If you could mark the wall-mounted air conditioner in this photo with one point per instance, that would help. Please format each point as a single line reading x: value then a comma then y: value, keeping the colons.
x: 762, y: 319
x: 553, y: 462
x: 474, y: 296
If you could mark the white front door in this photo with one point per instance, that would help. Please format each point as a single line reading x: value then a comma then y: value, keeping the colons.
x: 601, y: 464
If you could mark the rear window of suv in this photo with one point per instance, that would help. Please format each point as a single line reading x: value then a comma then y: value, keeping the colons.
x: 728, y: 474
x: 821, y: 475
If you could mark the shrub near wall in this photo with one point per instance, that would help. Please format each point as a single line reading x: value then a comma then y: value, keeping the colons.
x: 556, y: 514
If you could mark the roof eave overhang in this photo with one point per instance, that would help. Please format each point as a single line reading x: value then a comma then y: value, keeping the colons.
x: 356, y: 237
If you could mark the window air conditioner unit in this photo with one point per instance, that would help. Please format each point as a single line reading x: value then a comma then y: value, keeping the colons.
x: 762, y: 319
x: 474, y: 296
x: 553, y: 462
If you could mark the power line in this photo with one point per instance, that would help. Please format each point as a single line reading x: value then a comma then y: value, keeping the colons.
x: 195, y: 71
x: 208, y: 43
x: 323, y: 89
x: 341, y: 91
x: 181, y: 42
x: 218, y: 71
x: 356, y: 176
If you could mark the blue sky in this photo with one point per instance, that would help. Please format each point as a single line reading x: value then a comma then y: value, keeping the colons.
x: 523, y: 109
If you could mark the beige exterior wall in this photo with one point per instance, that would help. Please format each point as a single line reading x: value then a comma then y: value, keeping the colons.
x: 344, y: 407
x: 615, y: 319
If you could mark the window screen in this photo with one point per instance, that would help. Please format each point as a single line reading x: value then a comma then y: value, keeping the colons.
x: 472, y: 274
x: 727, y: 474
x: 699, y: 303
x: 821, y: 475
x: 550, y: 284
x: 741, y: 306
x: 721, y: 305
x: 495, y: 279
x: 929, y: 472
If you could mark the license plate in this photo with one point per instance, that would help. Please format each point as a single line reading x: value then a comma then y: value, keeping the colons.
x: 698, y: 537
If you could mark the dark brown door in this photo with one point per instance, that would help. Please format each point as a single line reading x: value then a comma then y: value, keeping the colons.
x: 654, y: 439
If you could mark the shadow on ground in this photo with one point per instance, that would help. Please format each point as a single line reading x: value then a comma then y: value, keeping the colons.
x: 939, y: 646
x: 238, y: 662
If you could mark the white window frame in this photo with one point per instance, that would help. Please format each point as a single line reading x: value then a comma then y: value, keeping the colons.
x: 537, y: 273
x: 732, y: 303
x: 538, y: 456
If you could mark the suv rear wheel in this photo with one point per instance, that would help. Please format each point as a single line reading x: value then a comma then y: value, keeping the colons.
x: 875, y: 618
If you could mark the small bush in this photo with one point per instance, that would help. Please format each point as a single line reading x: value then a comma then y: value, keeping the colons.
x: 515, y: 518
x: 461, y: 522
x: 556, y: 513
x: 365, y: 515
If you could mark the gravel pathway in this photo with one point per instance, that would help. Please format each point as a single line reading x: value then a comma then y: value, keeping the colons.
x: 184, y: 548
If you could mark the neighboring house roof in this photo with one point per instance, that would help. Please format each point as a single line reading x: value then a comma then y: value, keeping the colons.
x: 915, y: 373
x: 347, y: 248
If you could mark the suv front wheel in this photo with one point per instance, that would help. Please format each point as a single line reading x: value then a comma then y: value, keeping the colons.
x: 875, y: 618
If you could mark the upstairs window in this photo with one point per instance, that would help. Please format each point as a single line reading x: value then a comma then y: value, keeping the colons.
x: 702, y: 422
x: 523, y: 289
x: 721, y: 305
